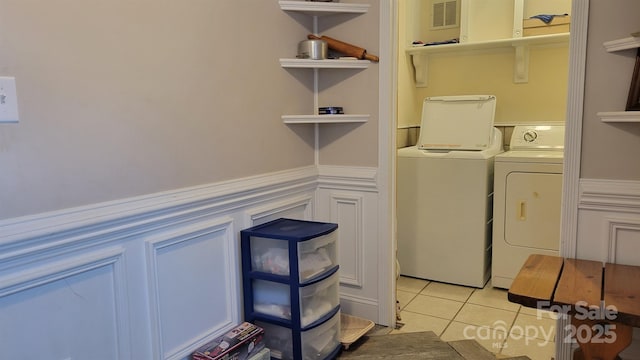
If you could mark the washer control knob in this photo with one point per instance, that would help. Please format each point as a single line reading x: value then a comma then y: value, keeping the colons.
x: 530, y: 136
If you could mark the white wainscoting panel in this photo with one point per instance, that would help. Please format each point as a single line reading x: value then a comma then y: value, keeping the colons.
x: 76, y: 308
x: 150, y: 277
x: 191, y: 276
x: 156, y: 276
x: 299, y: 207
x: 609, y: 221
x: 609, y: 229
x: 346, y: 210
x: 348, y: 196
x: 623, y: 235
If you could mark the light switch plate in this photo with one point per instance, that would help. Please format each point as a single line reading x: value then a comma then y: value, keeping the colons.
x: 8, y: 100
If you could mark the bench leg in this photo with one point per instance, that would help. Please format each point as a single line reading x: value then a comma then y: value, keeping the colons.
x: 600, y: 340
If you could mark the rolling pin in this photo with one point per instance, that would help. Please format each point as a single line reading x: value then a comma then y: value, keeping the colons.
x: 347, y: 49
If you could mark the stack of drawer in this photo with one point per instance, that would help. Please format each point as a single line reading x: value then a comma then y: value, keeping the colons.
x: 291, y: 287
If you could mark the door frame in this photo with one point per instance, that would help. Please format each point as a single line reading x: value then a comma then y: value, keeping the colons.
x: 389, y: 47
x: 387, y: 77
x: 572, y: 149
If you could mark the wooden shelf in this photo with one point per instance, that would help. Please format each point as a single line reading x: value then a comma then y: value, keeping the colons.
x: 619, y: 116
x: 315, y: 8
x: 420, y: 54
x: 324, y: 119
x: 325, y: 64
x: 622, y: 44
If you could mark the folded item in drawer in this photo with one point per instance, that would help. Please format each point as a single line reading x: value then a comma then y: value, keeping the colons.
x: 314, y: 263
x: 274, y: 261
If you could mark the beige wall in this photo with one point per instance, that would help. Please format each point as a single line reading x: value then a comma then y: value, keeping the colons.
x: 609, y: 151
x: 541, y: 99
x: 129, y: 97
x: 355, y: 90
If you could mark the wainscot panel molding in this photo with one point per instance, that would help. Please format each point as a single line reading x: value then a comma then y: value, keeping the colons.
x: 348, y: 196
x: 150, y: 277
x: 156, y: 276
x: 299, y: 207
x: 207, y: 248
x: 346, y: 209
x: 618, y: 195
x: 609, y: 221
x: 38, y: 307
x: 609, y: 229
x: 348, y: 178
x: 118, y: 220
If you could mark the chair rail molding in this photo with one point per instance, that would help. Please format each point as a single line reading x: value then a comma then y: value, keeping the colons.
x: 138, y: 259
x: 610, y: 195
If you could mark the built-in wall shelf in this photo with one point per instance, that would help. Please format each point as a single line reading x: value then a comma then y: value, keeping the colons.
x: 631, y: 42
x: 619, y: 116
x: 315, y: 8
x: 562, y: 38
x: 324, y: 119
x: 622, y: 44
x: 325, y: 64
x: 420, y: 54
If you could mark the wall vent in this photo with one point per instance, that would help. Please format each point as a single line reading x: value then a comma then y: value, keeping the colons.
x: 444, y: 14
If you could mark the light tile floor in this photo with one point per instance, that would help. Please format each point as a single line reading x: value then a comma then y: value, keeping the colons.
x: 457, y: 312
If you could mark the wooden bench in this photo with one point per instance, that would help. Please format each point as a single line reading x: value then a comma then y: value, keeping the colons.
x: 603, y: 300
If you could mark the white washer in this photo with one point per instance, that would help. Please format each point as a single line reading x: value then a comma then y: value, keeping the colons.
x: 528, y: 193
x: 444, y: 190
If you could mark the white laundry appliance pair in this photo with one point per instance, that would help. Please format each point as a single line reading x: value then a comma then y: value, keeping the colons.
x: 445, y: 189
x: 527, y: 201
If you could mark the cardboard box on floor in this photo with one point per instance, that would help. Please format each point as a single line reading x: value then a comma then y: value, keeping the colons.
x: 240, y: 343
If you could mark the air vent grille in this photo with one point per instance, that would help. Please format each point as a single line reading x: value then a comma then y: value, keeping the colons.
x: 445, y: 13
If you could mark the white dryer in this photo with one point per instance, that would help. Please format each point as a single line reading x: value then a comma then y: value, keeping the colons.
x: 444, y: 192
x: 527, y: 200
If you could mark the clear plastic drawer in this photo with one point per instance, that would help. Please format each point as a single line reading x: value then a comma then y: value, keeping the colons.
x: 316, y: 300
x: 317, y: 343
x: 315, y: 256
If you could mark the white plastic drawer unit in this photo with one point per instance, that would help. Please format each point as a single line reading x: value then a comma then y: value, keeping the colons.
x: 290, y: 283
x: 317, y: 343
x: 315, y: 256
x: 316, y: 300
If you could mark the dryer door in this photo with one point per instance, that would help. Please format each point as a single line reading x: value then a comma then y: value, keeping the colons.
x: 532, y: 214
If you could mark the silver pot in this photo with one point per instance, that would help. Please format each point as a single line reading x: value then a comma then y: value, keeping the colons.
x: 313, y: 49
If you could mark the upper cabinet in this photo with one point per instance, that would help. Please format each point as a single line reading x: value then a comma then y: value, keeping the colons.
x: 483, y: 25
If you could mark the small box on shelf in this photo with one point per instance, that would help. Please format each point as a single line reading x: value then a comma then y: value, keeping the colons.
x: 535, y: 26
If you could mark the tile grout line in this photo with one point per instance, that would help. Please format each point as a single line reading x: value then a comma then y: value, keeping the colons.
x: 456, y: 314
x: 518, y: 313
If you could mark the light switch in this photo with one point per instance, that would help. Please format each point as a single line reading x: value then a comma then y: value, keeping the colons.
x: 8, y: 100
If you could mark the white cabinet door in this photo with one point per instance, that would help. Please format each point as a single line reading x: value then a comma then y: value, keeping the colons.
x: 486, y: 20
x: 533, y: 210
